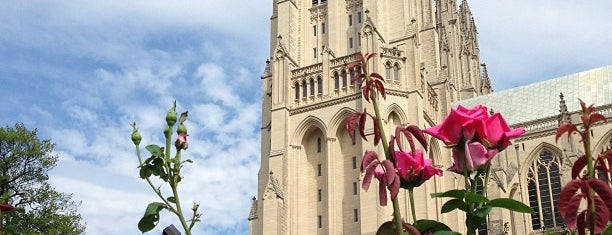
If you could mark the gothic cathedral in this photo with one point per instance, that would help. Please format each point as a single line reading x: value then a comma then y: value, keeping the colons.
x: 309, y: 181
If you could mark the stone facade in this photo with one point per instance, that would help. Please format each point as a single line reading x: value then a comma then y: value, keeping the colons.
x: 427, y: 50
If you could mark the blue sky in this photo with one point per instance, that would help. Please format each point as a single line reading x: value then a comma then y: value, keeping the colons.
x: 82, y: 71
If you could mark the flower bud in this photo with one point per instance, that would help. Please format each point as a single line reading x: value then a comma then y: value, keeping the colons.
x: 181, y: 142
x: 181, y: 130
x: 136, y: 137
x: 167, y: 131
x: 171, y: 115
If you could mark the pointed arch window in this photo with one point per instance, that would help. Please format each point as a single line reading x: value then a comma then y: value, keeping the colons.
x: 304, y: 89
x: 312, y: 87
x: 344, y: 79
x: 543, y: 185
x: 318, y: 145
x: 396, y: 75
x: 319, y: 85
x: 336, y: 81
x: 297, y: 90
x: 388, y: 71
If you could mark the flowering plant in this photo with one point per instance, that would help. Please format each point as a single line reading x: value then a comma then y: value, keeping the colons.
x: 474, y: 136
x: 168, y: 169
x: 596, y: 192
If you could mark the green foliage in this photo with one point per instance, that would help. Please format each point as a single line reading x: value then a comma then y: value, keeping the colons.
x: 25, y: 162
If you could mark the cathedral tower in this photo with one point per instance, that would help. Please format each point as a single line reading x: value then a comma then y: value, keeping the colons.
x: 309, y: 180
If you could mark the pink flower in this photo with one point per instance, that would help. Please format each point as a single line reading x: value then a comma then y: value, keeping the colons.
x: 498, y: 133
x: 461, y: 123
x: 476, y: 156
x: 181, y: 141
x: 414, y: 170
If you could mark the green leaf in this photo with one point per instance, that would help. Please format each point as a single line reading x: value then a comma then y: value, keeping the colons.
x: 145, y: 171
x: 151, y: 217
x: 387, y: 228
x: 156, y: 150
x: 430, y: 226
x: 454, y: 204
x: 455, y: 193
x: 510, y: 204
x: 608, y: 230
x: 483, y: 211
x: 171, y: 199
x: 475, y: 198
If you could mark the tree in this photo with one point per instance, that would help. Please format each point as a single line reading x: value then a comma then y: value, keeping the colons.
x: 25, y: 162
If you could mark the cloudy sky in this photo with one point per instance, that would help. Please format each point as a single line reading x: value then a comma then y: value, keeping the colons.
x: 81, y: 71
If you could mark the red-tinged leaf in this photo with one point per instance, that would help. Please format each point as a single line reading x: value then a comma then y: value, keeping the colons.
x: 601, y: 216
x: 567, y: 194
x: 392, y: 147
x: 357, y: 77
x: 412, y: 230
x: 389, y: 172
x: 581, y: 225
x: 380, y: 87
x: 571, y: 213
x: 365, y: 91
x: 369, y: 174
x: 359, y: 56
x: 605, y: 193
x: 418, y: 134
x: 579, y: 164
x: 398, y: 133
x: 377, y: 75
x: 395, y: 186
x: 362, y: 122
x: 376, y: 132
x: 368, y: 158
x: 567, y: 127
x: 352, y: 65
x: 369, y: 56
x: 597, y: 117
x: 351, y: 121
x: 382, y: 193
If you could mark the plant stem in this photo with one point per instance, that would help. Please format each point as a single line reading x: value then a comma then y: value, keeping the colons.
x: 178, y: 208
x: 170, y: 207
x: 586, y: 142
x: 411, y: 194
x: 397, y: 216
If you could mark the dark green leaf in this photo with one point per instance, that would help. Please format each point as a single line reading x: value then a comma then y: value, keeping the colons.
x: 483, y: 211
x: 455, y: 193
x: 430, y: 226
x: 145, y: 171
x: 510, y: 204
x: 475, y: 198
x: 156, y: 150
x: 608, y: 230
x: 387, y: 228
x: 454, y: 204
x: 151, y: 217
x: 171, y: 199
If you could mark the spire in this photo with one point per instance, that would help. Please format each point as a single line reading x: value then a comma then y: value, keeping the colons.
x: 486, y: 87
x: 564, y: 116
x: 253, y: 212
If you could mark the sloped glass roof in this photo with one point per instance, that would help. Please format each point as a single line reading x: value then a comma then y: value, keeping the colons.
x: 541, y: 99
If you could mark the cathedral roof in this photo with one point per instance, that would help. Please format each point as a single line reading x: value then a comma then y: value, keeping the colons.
x: 539, y: 100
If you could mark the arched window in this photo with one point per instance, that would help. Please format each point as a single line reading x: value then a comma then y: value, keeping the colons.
x: 544, y: 186
x: 319, y: 85
x: 318, y: 145
x: 344, y: 79
x: 304, y: 89
x: 297, y: 90
x: 388, y: 71
x: 396, y: 72
x: 336, y: 81
x: 312, y: 87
